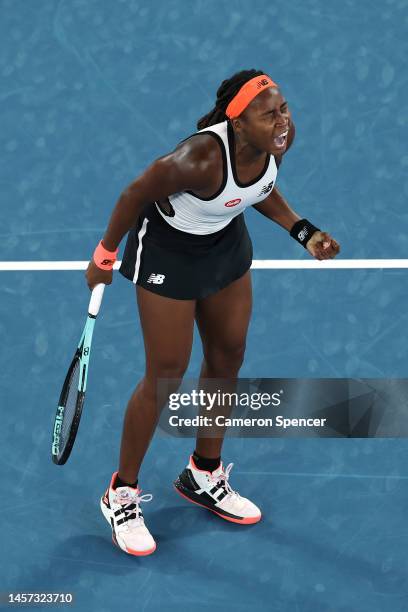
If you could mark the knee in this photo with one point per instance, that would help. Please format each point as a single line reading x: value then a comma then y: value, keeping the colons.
x: 224, y: 361
x: 162, y: 378
x: 171, y: 368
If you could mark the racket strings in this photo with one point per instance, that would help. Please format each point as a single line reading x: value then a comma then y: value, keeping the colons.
x: 70, y: 406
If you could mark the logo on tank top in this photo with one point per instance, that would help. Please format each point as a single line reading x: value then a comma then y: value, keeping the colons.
x: 232, y: 202
x: 266, y: 189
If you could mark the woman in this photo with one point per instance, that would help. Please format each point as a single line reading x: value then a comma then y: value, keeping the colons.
x: 189, y: 254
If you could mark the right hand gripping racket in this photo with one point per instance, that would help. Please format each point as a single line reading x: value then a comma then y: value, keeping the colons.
x: 72, y: 396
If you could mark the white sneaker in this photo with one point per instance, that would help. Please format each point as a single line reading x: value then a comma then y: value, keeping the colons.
x: 121, y: 509
x: 213, y: 491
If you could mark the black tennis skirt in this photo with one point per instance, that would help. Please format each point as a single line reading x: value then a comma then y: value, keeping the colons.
x: 185, y: 266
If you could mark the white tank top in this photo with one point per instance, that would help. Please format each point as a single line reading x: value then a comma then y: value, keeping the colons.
x: 197, y: 215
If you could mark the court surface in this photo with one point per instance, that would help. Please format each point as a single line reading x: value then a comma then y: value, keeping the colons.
x: 91, y: 93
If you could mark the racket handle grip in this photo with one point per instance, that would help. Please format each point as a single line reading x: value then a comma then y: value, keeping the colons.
x: 96, y: 299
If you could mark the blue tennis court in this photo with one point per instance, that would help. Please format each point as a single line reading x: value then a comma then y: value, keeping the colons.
x: 92, y: 92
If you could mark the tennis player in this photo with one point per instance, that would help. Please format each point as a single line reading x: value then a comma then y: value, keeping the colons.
x: 189, y: 254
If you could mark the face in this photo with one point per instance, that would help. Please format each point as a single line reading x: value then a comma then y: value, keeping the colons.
x: 264, y: 124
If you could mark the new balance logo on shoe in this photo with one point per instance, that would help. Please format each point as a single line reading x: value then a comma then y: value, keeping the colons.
x: 266, y: 189
x: 157, y: 279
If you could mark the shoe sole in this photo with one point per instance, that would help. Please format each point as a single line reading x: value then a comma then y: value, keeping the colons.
x: 244, y: 521
x: 129, y: 551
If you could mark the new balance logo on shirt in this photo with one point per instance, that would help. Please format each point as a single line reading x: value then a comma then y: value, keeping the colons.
x: 266, y: 189
x: 157, y: 279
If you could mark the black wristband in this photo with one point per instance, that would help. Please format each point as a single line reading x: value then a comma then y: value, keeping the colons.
x: 302, y: 231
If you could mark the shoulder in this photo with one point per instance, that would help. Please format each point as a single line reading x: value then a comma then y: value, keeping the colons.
x: 200, y: 149
x: 194, y: 164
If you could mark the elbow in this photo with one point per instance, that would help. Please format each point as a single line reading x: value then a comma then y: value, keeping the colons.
x: 131, y: 198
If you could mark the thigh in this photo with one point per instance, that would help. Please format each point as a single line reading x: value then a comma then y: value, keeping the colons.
x: 223, y: 318
x: 167, y: 326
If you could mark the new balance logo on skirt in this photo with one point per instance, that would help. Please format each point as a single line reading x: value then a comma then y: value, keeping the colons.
x: 157, y: 279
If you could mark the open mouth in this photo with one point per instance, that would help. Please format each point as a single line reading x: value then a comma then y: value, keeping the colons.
x: 280, y: 141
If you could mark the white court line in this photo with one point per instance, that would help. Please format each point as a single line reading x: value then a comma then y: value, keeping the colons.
x: 259, y: 264
x: 322, y: 475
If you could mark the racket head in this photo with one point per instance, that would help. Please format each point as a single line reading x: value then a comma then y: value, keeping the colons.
x: 72, y: 395
x: 68, y: 413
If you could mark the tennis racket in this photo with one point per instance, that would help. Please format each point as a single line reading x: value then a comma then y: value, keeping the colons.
x: 72, y: 395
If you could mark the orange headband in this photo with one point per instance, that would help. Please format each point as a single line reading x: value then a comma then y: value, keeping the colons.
x: 247, y: 93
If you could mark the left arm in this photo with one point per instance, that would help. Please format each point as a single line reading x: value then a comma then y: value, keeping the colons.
x: 320, y: 244
x: 274, y: 207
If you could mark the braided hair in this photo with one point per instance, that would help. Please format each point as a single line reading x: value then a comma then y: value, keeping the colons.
x: 226, y: 91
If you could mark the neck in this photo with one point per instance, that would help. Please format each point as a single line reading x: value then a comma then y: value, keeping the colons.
x: 245, y: 153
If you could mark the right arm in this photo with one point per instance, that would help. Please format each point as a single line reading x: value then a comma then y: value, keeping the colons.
x: 192, y: 165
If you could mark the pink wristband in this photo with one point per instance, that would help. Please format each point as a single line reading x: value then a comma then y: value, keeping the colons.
x: 104, y: 259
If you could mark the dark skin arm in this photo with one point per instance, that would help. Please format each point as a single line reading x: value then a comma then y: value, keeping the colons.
x: 275, y: 207
x: 321, y: 245
x: 194, y: 165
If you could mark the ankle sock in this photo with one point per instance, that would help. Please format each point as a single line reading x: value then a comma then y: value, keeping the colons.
x: 121, y: 483
x: 204, y: 463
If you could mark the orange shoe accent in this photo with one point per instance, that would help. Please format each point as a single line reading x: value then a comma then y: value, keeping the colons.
x: 135, y: 553
x: 244, y: 521
x: 144, y: 553
x: 113, y: 479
